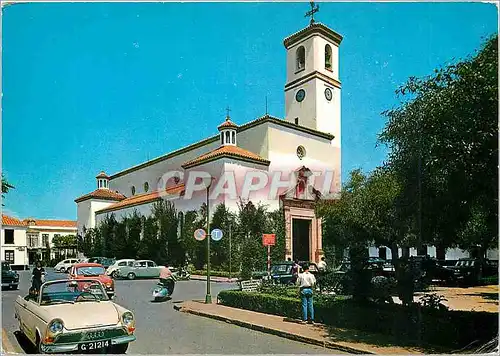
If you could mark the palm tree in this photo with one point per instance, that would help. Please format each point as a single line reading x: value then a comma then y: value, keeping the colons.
x: 6, y: 186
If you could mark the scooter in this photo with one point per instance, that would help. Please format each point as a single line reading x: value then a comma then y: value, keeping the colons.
x: 182, y: 274
x: 163, y: 291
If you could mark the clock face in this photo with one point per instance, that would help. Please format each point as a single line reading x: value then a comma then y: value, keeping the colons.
x: 301, y: 94
x: 328, y: 94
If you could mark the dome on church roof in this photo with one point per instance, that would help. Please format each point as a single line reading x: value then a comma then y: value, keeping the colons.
x: 228, y: 124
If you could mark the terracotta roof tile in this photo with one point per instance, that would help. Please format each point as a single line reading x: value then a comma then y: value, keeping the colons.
x: 144, y: 198
x: 227, y: 151
x: 104, y: 194
x: 10, y: 221
x: 227, y: 124
x: 53, y: 223
x: 102, y: 175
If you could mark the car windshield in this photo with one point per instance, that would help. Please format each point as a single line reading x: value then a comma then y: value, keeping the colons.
x: 281, y: 269
x: 59, y: 292
x: 90, y: 271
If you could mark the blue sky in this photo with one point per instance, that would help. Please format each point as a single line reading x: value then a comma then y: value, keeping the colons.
x: 104, y: 86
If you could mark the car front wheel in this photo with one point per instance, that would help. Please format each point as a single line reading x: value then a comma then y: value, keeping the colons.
x: 114, y: 274
x: 118, y: 349
x: 131, y: 275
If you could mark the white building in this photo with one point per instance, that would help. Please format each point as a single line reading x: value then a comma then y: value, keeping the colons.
x: 305, y: 145
x: 25, y: 241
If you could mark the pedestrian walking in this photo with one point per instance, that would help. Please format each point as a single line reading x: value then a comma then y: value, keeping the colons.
x: 321, y: 274
x: 306, y: 282
x: 295, y: 271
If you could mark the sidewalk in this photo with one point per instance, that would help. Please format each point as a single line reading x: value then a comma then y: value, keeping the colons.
x: 214, y: 279
x: 332, y: 338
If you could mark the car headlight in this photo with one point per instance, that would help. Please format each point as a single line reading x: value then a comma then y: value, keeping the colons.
x: 128, y: 320
x: 109, y: 284
x: 56, y: 326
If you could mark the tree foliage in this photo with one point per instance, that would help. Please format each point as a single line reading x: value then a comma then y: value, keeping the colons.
x: 443, y: 142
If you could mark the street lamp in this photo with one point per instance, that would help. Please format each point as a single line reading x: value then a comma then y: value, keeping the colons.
x: 208, y: 297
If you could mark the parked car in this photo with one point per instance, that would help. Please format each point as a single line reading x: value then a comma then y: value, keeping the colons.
x: 113, y: 269
x: 74, y: 316
x: 65, y: 265
x: 105, y: 261
x: 10, y: 278
x: 94, y: 271
x: 466, y: 270
x: 140, y: 269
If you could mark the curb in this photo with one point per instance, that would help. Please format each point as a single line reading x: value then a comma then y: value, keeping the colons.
x: 7, y: 347
x: 204, y: 278
x: 284, y: 334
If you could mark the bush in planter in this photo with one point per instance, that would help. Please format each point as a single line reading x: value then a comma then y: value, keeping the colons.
x: 452, y: 329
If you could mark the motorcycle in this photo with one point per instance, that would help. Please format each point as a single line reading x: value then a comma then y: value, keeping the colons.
x: 163, y: 291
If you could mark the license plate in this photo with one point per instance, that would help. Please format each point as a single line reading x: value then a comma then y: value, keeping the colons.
x: 5, y: 285
x: 94, y: 345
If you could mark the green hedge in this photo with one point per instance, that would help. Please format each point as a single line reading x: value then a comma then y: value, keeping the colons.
x: 215, y: 273
x: 450, y: 329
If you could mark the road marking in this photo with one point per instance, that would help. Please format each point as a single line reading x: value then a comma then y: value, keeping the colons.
x: 6, y: 344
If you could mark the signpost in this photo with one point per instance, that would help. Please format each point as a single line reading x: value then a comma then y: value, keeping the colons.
x: 268, y: 240
x: 200, y: 234
x: 216, y: 234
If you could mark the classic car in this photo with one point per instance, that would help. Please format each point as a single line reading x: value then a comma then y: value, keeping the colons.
x: 112, y: 270
x: 74, y: 316
x: 466, y: 270
x: 105, y: 261
x: 10, y: 278
x: 65, y: 265
x: 140, y: 269
x: 93, y: 271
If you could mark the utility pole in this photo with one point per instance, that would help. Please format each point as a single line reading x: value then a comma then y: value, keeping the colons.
x: 229, y: 250
x: 208, y: 297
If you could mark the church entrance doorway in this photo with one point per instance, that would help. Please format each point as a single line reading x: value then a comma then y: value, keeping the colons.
x: 301, y: 235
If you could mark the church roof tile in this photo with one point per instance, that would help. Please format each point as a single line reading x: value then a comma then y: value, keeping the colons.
x: 104, y: 194
x: 315, y: 27
x: 144, y: 198
x: 227, y: 151
x: 227, y: 124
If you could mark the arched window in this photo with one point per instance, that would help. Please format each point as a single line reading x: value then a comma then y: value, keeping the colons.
x: 133, y: 190
x: 233, y: 141
x: 301, y: 58
x: 228, y: 138
x: 222, y: 138
x: 146, y: 187
x: 328, y: 57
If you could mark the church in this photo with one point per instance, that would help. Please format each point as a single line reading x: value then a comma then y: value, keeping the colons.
x: 299, y: 156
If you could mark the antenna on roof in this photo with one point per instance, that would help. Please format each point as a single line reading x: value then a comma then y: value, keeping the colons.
x: 266, y: 105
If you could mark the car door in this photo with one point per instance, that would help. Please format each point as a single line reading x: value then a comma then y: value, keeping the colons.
x: 140, y: 269
x: 28, y: 318
x: 153, y: 271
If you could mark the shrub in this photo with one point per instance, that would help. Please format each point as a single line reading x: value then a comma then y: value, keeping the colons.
x: 436, y: 327
x: 215, y: 273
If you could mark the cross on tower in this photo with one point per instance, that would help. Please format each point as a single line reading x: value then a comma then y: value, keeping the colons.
x: 227, y: 115
x: 314, y: 9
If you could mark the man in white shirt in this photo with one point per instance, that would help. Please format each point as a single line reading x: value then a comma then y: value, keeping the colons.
x: 307, y: 281
x: 322, y: 265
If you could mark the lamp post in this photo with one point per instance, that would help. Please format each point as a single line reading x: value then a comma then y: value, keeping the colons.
x: 208, y: 297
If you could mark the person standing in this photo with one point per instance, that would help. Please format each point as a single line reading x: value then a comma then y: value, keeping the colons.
x: 321, y: 273
x: 306, y: 282
x: 295, y: 271
x: 37, y: 277
x: 322, y: 265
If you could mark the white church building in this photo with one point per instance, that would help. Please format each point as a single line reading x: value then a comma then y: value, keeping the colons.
x: 300, y: 155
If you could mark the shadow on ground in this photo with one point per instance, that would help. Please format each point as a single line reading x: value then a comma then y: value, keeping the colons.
x: 24, y: 343
x: 353, y: 336
x: 484, y: 295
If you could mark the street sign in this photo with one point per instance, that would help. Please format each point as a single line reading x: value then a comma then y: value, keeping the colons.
x: 200, y: 234
x: 268, y: 239
x: 216, y: 234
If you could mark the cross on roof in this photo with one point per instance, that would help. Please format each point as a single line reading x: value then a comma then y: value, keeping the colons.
x: 227, y: 115
x: 314, y: 9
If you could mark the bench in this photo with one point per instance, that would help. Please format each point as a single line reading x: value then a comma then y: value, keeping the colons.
x: 250, y: 285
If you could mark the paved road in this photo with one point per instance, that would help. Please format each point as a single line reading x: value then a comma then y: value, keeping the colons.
x: 162, y: 330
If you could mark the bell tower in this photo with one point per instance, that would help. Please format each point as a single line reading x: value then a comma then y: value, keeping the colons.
x: 312, y: 89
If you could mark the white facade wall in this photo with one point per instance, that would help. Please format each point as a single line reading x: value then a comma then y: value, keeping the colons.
x: 18, y: 247
x: 86, y: 212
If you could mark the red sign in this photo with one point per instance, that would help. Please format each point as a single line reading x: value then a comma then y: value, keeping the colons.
x: 268, y: 239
